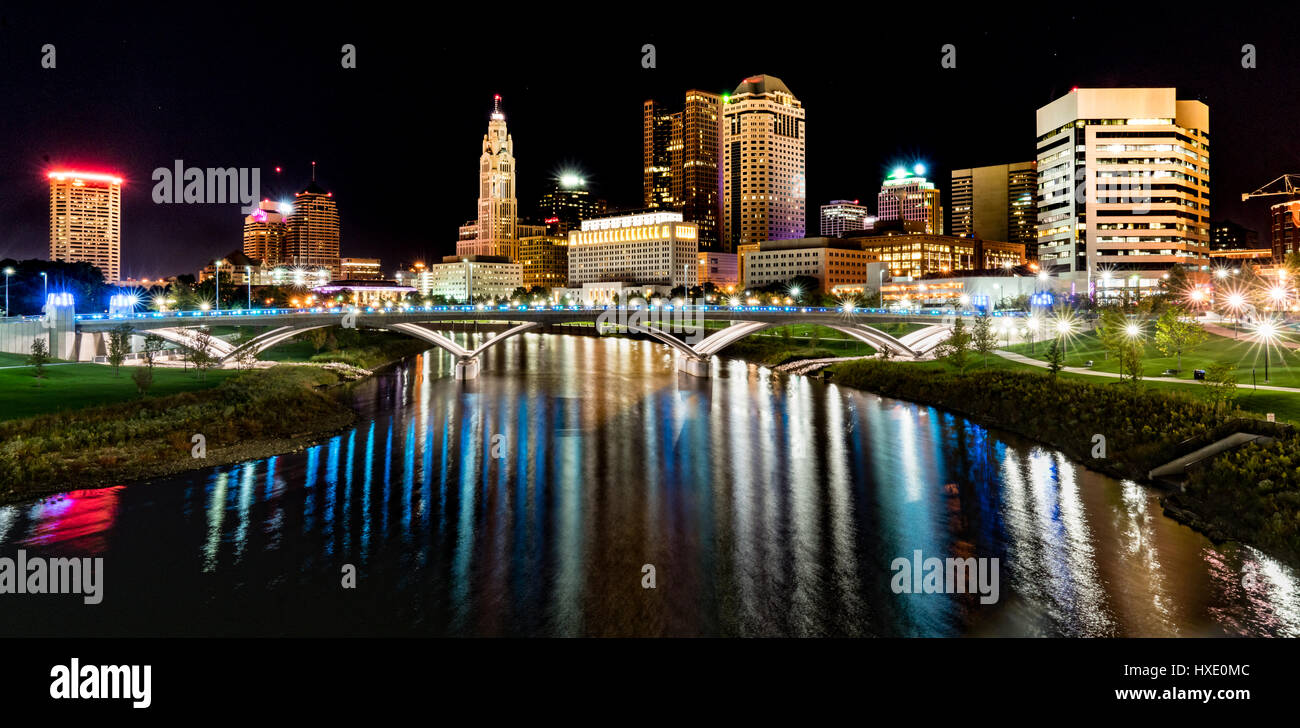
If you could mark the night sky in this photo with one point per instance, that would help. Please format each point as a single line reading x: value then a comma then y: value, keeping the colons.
x: 397, y: 138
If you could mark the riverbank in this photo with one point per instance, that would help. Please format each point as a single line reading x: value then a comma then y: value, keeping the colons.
x: 1251, y: 494
x: 253, y: 414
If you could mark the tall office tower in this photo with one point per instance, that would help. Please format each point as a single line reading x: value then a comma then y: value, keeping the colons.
x: 1123, y: 186
x: 656, y: 156
x: 264, y: 233
x: 763, y: 163
x: 680, y: 154
x: 567, y: 204
x: 498, y: 208
x: 997, y: 202
x: 86, y: 220
x: 909, y: 196
x: 842, y: 216
x: 312, y: 238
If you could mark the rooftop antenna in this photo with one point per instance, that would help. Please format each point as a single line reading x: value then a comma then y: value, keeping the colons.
x: 313, y: 171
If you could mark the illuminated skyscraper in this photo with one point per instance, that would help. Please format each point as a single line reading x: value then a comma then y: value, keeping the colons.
x: 910, y: 196
x: 1123, y: 187
x: 264, y: 233
x: 86, y: 220
x: 841, y: 216
x: 498, y: 208
x: 998, y: 202
x: 680, y: 155
x: 567, y: 204
x: 763, y: 182
x: 312, y: 238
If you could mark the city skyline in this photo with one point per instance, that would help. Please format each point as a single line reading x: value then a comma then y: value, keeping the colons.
x: 607, y: 153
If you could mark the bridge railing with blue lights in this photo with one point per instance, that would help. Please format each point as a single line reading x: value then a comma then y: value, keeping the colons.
x: 483, y: 308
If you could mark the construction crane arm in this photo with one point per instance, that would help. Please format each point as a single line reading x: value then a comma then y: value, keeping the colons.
x: 1287, y: 184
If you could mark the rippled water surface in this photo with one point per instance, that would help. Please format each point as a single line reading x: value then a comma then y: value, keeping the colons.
x: 527, y: 502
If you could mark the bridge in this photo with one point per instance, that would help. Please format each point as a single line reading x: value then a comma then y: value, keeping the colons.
x: 83, y: 337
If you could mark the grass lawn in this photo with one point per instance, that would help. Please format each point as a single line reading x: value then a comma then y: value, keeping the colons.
x: 1284, y: 405
x: 11, y: 360
x: 73, y: 386
x: 1284, y: 364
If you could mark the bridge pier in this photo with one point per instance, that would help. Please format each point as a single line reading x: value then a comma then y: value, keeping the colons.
x: 468, y: 367
x: 696, y: 367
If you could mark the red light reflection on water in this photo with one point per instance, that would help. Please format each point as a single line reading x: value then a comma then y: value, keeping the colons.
x: 79, y: 519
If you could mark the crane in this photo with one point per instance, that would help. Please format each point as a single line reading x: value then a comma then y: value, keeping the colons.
x: 1287, y: 184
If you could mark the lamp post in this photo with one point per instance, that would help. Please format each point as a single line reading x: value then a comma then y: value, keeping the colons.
x: 1132, y: 331
x: 880, y: 287
x: 248, y: 276
x: 8, y: 272
x: 216, y: 266
x: 1063, y: 328
x: 1235, y: 302
x: 45, y: 279
x: 1266, y: 331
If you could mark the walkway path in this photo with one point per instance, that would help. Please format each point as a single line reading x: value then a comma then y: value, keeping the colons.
x: 1247, y: 336
x: 1020, y: 358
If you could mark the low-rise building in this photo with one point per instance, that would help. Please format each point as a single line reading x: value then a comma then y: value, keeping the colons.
x: 720, y: 269
x: 832, y: 261
x: 361, y: 269
x: 916, y: 254
x: 468, y: 278
x: 376, y: 293
x: 974, y: 291
x: 652, y: 248
x: 545, y: 261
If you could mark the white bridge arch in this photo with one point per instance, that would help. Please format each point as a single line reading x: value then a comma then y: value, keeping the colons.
x: 695, y: 344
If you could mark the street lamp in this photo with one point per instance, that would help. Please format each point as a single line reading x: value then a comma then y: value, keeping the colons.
x: 1235, y: 302
x: 216, y: 265
x: 1063, y: 329
x: 45, y: 278
x: 248, y: 274
x: 1266, y: 331
x: 8, y: 272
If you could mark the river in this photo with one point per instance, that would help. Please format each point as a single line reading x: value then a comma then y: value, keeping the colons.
x: 544, y: 497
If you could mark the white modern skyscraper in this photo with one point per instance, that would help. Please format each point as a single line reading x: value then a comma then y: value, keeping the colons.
x: 843, y: 215
x: 498, y: 207
x: 763, y: 163
x: 1123, y: 186
x: 86, y: 220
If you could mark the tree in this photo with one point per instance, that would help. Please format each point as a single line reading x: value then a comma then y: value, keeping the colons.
x: 202, y: 353
x: 956, y: 348
x: 39, y: 357
x: 1055, y: 358
x: 1220, y: 383
x: 143, y: 378
x: 983, y: 338
x: 1110, y: 331
x: 153, y: 345
x: 317, y: 338
x: 119, y: 341
x: 1176, y: 332
x: 246, y: 357
x: 1131, y: 360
